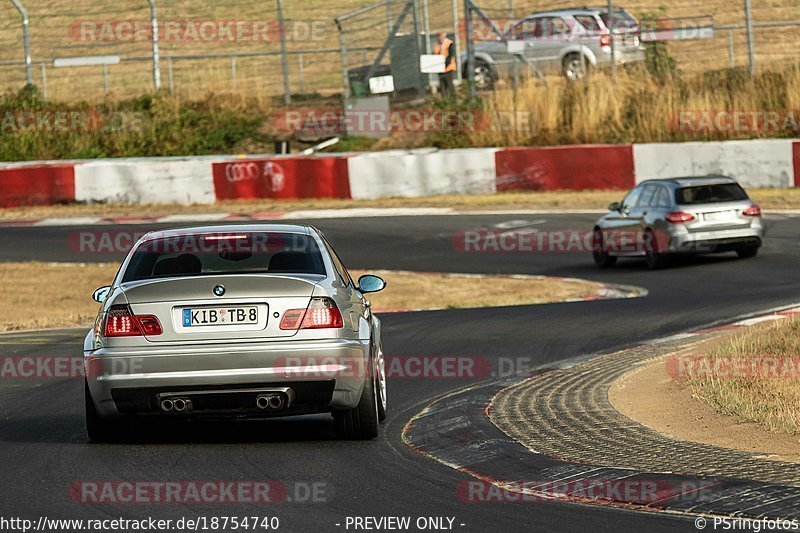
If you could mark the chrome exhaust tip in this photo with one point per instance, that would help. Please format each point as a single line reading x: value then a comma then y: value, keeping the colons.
x: 262, y: 402
x: 167, y: 405
x: 181, y: 405
x: 276, y: 402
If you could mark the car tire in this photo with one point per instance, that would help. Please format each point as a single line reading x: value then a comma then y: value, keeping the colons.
x: 484, y: 75
x: 745, y: 252
x: 654, y: 258
x: 575, y: 66
x: 361, y: 422
x: 99, y: 429
x: 601, y: 257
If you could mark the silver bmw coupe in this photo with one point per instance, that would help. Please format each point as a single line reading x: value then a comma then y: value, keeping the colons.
x: 235, y: 322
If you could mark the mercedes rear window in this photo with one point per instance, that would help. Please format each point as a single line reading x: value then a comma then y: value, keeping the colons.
x: 709, y: 194
x: 225, y: 253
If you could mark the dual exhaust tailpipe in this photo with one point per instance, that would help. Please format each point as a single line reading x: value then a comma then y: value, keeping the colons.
x: 271, y: 401
x: 176, y: 405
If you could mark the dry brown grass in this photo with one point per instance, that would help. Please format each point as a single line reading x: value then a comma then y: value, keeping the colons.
x: 50, y: 37
x: 414, y: 290
x: 52, y: 295
x: 543, y: 200
x: 767, y: 398
x: 634, y: 109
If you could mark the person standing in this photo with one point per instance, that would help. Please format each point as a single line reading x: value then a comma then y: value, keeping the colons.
x: 444, y: 47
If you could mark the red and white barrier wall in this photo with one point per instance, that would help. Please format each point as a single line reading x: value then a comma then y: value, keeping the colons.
x: 425, y: 172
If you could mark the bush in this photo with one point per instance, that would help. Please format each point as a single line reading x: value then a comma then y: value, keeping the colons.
x: 152, y: 125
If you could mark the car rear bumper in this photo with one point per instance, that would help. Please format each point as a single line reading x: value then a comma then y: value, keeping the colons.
x: 715, y: 241
x: 321, y: 374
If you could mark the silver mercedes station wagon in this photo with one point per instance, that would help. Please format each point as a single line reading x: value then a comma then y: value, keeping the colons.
x: 658, y: 218
x: 235, y: 322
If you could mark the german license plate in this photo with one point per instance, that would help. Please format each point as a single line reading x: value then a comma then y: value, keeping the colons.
x: 719, y: 215
x: 220, y: 316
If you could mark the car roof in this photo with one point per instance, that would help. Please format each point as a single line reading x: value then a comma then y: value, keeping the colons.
x: 572, y: 11
x: 231, y: 228
x: 693, y: 181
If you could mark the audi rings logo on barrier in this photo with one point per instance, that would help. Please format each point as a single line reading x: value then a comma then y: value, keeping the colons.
x: 269, y: 172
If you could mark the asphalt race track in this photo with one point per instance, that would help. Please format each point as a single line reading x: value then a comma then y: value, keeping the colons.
x: 42, y: 436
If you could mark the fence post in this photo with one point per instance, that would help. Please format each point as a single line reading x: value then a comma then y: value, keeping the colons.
x: 26, y: 41
x: 612, y: 23
x: 751, y: 45
x: 154, y: 30
x: 457, y: 42
x: 426, y: 30
x: 343, y: 56
x: 389, y: 23
x: 44, y: 80
x: 731, y: 56
x: 287, y: 95
x: 170, y: 75
x: 300, y: 72
x: 473, y: 93
x: 105, y: 80
x: 233, y: 73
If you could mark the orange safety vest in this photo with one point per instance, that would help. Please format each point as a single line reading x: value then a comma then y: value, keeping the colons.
x: 444, y: 50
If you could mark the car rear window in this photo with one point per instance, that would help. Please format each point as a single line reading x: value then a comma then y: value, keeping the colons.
x: 622, y: 19
x: 225, y: 253
x: 709, y: 194
x: 588, y: 22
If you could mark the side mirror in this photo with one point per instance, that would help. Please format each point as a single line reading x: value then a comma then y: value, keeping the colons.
x: 369, y: 283
x: 615, y: 206
x: 101, y: 294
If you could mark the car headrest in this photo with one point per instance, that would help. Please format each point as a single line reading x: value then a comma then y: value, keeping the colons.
x: 188, y: 264
x: 291, y: 262
x: 165, y: 267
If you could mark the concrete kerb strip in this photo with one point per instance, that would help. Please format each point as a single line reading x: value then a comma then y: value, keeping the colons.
x: 472, y: 443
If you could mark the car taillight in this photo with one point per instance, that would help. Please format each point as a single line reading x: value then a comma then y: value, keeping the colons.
x: 605, y: 40
x: 679, y: 217
x: 321, y: 313
x: 752, y: 211
x: 121, y: 322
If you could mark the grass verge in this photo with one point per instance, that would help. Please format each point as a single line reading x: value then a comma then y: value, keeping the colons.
x: 53, y: 295
x: 762, y: 389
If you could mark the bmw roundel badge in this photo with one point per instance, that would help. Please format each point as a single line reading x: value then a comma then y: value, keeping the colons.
x: 219, y: 290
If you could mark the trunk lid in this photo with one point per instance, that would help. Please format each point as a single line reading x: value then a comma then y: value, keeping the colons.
x: 191, y: 312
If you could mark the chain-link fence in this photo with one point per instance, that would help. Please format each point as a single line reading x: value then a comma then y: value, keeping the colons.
x: 236, y: 47
x: 776, y: 28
